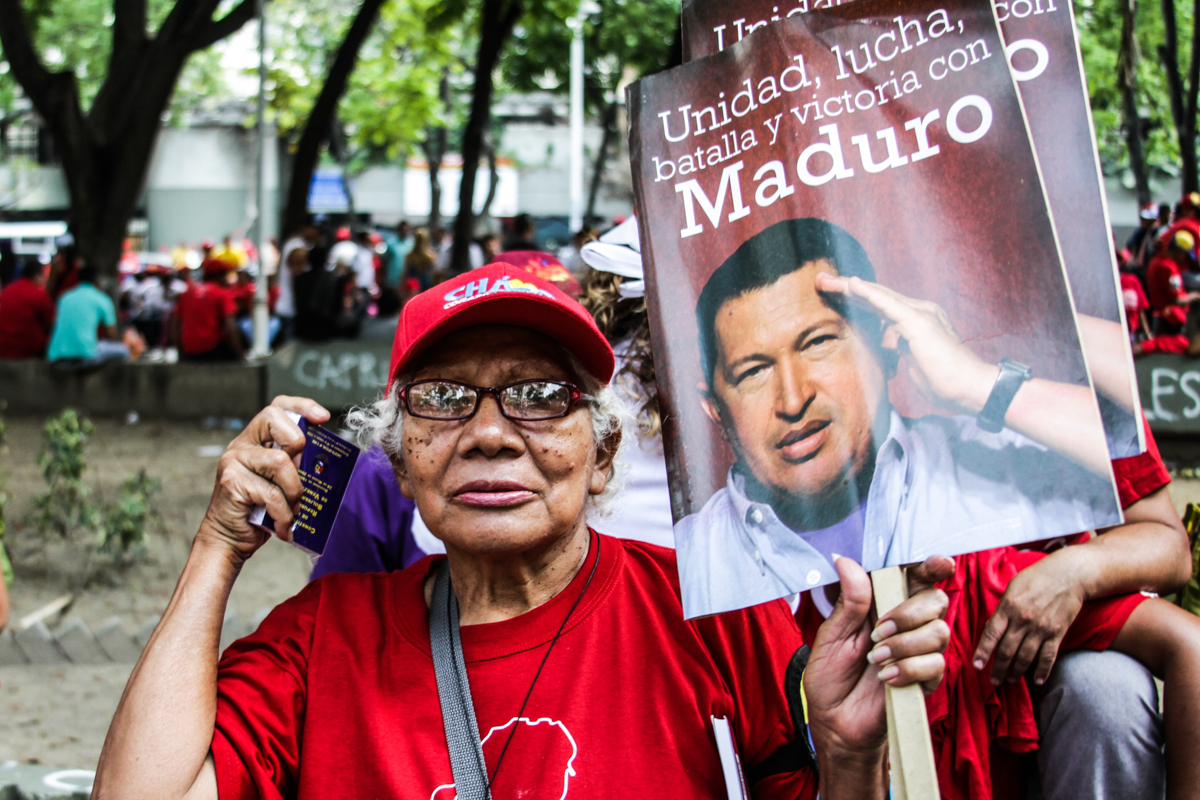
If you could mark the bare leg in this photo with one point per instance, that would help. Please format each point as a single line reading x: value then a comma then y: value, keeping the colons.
x: 1167, y: 640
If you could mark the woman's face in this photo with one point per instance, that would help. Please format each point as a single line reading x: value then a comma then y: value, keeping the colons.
x: 488, y: 484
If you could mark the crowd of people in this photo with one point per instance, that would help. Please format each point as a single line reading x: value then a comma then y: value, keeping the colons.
x: 197, y: 304
x: 1160, y: 278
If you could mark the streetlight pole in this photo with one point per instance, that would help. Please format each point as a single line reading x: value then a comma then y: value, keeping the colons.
x: 262, y: 319
x: 576, y: 142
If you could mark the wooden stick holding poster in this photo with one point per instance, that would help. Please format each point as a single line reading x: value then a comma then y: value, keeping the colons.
x: 910, y: 750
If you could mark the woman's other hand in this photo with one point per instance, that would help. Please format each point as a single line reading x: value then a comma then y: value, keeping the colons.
x: 852, y: 660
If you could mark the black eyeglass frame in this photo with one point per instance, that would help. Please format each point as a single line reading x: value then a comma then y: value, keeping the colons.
x: 494, y: 391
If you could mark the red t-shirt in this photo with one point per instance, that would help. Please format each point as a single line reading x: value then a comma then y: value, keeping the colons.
x: 26, y: 320
x: 1139, y: 476
x: 202, y: 311
x: 334, y: 694
x: 1164, y: 283
x: 1135, y: 300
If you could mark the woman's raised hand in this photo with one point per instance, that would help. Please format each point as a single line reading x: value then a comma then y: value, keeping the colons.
x: 259, y: 468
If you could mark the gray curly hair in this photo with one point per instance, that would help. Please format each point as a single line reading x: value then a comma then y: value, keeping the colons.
x: 382, y: 423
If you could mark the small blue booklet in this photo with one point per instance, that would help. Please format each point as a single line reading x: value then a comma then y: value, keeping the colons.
x: 326, y: 464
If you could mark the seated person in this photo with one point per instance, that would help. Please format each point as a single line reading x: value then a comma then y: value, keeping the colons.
x: 1168, y: 300
x: 82, y: 313
x: 824, y: 463
x: 1135, y: 301
x: 205, y: 321
x: 26, y: 314
x: 1091, y: 714
x: 1187, y: 218
x: 338, y: 691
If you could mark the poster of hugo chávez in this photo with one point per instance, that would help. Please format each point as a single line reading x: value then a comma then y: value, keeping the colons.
x: 1042, y: 47
x: 862, y: 329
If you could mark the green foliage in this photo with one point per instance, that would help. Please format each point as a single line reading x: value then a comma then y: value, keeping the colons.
x: 126, y: 523
x: 65, y: 508
x: 119, y: 529
x: 1100, y: 43
x: 635, y: 34
x: 393, y: 93
x: 76, y: 36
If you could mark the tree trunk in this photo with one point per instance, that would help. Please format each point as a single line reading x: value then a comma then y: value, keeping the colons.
x: 1127, y: 76
x: 321, y: 118
x: 1187, y: 141
x: 493, y: 178
x: 106, y: 152
x: 610, y: 133
x: 499, y: 16
x: 435, y: 146
x: 339, y: 148
x: 1182, y: 97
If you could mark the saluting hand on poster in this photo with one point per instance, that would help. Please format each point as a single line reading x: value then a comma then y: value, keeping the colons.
x: 1057, y: 415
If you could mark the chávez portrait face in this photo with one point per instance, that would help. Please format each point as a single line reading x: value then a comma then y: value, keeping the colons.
x: 797, y: 344
x: 797, y: 391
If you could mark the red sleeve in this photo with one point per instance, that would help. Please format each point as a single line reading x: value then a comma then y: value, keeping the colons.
x: 751, y: 649
x: 1100, y: 621
x: 261, y: 702
x: 45, y: 308
x: 1138, y: 476
x: 229, y: 304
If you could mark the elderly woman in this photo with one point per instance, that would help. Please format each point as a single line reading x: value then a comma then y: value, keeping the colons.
x: 563, y: 653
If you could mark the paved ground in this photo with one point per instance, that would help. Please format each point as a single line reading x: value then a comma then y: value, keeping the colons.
x: 57, y: 716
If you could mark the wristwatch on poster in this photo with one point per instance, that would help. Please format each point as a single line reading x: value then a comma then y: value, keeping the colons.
x: 1012, y: 375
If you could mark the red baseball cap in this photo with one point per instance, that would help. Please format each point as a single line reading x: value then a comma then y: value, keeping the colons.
x: 499, y: 294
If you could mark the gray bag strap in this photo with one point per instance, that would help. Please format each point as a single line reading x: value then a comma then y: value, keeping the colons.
x: 454, y: 692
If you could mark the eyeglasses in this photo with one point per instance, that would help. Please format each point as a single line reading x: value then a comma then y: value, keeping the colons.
x: 525, y: 401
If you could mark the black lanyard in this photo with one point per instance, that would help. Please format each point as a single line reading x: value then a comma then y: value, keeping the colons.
x: 467, y: 764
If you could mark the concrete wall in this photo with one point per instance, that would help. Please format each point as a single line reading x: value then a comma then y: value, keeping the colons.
x: 154, y: 391
x: 1123, y: 205
x: 29, y: 187
x: 202, y: 184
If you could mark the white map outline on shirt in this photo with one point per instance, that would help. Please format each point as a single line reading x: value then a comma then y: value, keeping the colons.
x: 567, y: 774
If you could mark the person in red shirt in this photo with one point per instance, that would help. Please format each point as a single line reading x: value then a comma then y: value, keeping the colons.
x: 205, y: 320
x: 26, y: 314
x: 1018, y: 613
x: 1136, y: 304
x: 566, y: 655
x: 1187, y: 218
x: 1168, y: 300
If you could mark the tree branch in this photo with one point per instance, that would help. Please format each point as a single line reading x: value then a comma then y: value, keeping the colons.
x: 19, y: 51
x: 129, y: 24
x: 227, y: 25
x: 316, y: 129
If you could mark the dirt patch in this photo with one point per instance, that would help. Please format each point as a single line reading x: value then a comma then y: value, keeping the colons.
x: 58, y: 715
